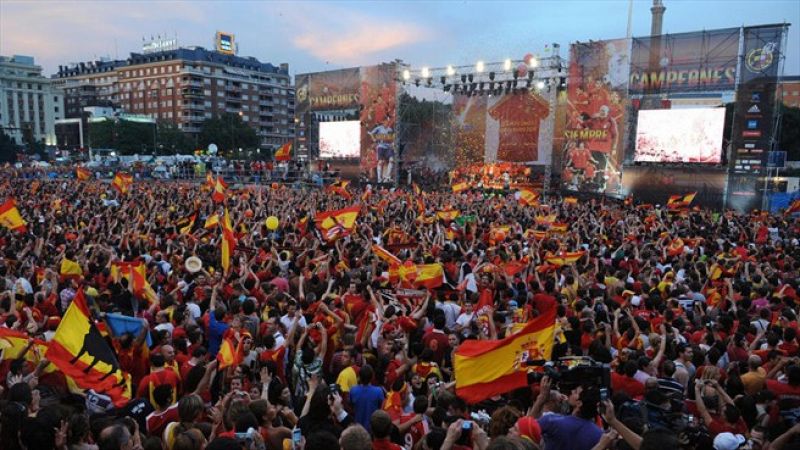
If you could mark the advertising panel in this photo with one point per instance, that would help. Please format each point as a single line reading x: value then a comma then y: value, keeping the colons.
x: 680, y: 135
x: 378, y: 97
x: 595, y: 122
x: 337, y: 89
x: 702, y: 60
x: 753, y: 115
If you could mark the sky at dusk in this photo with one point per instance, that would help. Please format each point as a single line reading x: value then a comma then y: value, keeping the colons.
x: 317, y: 35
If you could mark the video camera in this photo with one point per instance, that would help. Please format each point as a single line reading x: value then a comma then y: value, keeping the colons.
x: 570, y: 372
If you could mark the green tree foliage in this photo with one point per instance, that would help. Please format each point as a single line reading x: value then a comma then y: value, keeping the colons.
x: 228, y: 132
x: 172, y: 140
x: 8, y: 148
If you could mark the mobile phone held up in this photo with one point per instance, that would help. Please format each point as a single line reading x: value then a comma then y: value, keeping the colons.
x: 466, y: 433
x: 296, y: 437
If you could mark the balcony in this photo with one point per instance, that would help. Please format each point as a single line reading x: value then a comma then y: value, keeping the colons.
x: 194, y: 82
x: 193, y: 93
x: 192, y: 71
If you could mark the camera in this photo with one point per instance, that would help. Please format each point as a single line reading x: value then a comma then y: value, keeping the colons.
x: 466, y: 433
x: 572, y: 371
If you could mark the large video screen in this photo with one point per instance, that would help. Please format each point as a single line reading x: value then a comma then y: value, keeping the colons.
x: 340, y: 139
x: 692, y: 135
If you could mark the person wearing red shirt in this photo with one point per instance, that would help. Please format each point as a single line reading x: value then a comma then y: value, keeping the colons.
x: 413, y: 427
x: 436, y: 339
x: 626, y: 383
x: 381, y: 427
x: 158, y: 375
x: 788, y: 394
x: 729, y: 421
x: 165, y: 412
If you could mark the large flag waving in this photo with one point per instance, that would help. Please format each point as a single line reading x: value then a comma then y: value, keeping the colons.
x: 219, y: 190
x: 79, y: 350
x: 230, y: 354
x: 487, y: 368
x: 82, y: 174
x: 122, y: 182
x: 335, y: 224
x: 284, y: 153
x: 228, y: 241
x: 11, y: 218
x: 680, y: 201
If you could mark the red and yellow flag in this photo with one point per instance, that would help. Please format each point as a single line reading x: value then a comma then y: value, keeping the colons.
x: 448, y: 215
x: 558, y: 227
x: 230, y: 353
x: 210, y: 180
x: 680, y: 201
x: 82, y: 174
x: 545, y: 220
x: 459, y: 187
x: 335, y: 224
x: 487, y: 368
x: 570, y: 201
x: 535, y: 234
x: 122, y: 182
x: 185, y: 224
x: 136, y: 274
x: 794, y: 207
x: 11, y: 218
x: 429, y: 276
x: 228, y: 241
x: 284, y: 153
x: 219, y: 190
x: 675, y: 247
x: 527, y: 197
x: 70, y: 269
x: 385, y: 255
x: 80, y: 352
x: 564, y: 259
x: 340, y: 188
x: 212, y: 221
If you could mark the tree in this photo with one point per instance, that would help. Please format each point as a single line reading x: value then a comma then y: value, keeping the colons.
x: 790, y: 132
x: 172, y: 140
x: 8, y: 148
x: 228, y: 132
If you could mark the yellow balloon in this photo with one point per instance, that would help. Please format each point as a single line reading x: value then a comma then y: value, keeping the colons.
x: 272, y: 223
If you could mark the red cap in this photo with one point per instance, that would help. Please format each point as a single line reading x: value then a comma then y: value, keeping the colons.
x: 529, y: 428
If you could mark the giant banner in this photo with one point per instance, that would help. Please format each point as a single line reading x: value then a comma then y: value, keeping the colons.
x: 752, y: 135
x: 703, y: 60
x: 506, y: 128
x: 323, y: 91
x: 378, y: 96
x: 595, y: 122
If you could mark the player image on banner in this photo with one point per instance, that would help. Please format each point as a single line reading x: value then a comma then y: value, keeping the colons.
x: 596, y: 100
x: 378, y: 93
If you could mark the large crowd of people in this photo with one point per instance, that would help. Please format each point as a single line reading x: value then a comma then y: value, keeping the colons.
x: 692, y: 314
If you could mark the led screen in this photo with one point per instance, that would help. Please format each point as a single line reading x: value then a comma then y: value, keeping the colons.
x: 340, y: 139
x: 680, y: 135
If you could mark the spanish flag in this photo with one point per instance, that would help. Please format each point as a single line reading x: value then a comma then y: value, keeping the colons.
x: 340, y: 188
x: 417, y: 191
x: 528, y: 198
x: 80, y: 352
x: 210, y: 180
x: 212, y: 221
x: 564, y: 259
x: 136, y: 274
x: 429, y: 276
x: 535, y: 234
x: 570, y: 201
x: 680, y: 201
x: 448, y: 215
x: 675, y: 247
x: 793, y: 208
x: 228, y: 241
x: 70, y: 269
x: 335, y: 224
x: 487, y: 368
x: 230, y: 354
x: 459, y: 187
x: 122, y: 182
x: 11, y: 218
x: 385, y: 255
x: 82, y: 174
x: 185, y: 224
x: 12, y: 344
x: 545, y: 220
x: 512, y: 268
x: 559, y: 227
x: 284, y: 153
x: 219, y: 190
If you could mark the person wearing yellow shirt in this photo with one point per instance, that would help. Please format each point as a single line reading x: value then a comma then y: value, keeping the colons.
x: 348, y: 377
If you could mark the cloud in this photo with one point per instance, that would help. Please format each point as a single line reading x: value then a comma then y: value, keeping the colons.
x: 344, y: 36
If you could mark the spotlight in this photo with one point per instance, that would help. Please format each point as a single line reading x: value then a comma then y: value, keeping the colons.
x: 450, y: 71
x: 507, y: 65
x: 540, y: 85
x: 533, y: 62
x: 463, y: 78
x: 470, y: 78
x: 443, y: 80
x: 479, y: 67
x: 425, y: 72
x: 406, y: 74
x: 491, y: 76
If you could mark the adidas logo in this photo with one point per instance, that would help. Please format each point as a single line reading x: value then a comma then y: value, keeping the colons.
x: 754, y: 109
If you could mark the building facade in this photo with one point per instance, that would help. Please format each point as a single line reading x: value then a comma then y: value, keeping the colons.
x: 29, y: 103
x: 187, y: 86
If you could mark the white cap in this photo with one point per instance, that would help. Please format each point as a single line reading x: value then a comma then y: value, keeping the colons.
x: 636, y: 300
x: 728, y: 441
